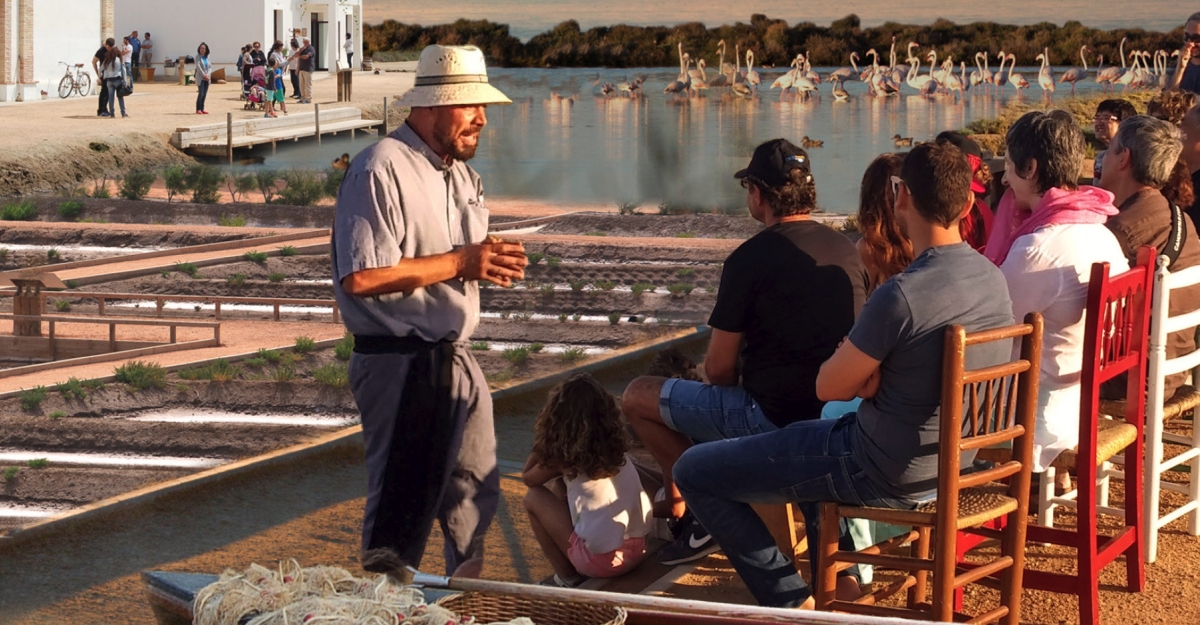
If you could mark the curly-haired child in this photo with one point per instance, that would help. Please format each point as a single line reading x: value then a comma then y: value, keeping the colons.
x: 593, y: 522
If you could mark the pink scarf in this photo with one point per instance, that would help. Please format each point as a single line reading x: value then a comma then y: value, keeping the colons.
x: 1085, y: 205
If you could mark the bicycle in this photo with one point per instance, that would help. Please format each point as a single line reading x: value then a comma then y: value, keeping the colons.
x: 80, y: 81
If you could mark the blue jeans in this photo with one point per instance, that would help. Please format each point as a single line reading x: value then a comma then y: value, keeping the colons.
x: 114, y: 94
x: 706, y: 413
x: 202, y: 85
x: 805, y: 463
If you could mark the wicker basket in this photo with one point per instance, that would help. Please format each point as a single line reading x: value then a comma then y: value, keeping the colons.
x: 495, y: 607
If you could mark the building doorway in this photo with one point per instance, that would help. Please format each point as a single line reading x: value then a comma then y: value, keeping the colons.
x: 278, y: 26
x: 320, y: 41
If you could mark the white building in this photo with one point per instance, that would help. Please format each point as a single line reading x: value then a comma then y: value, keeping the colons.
x: 178, y: 26
x: 35, y: 35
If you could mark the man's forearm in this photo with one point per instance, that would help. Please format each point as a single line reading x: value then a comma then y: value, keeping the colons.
x: 407, y: 275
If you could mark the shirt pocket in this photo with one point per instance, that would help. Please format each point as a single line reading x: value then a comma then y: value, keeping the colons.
x: 475, y: 219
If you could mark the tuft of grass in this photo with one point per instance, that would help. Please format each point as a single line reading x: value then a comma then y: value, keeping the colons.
x: 577, y: 285
x: 576, y: 317
x: 219, y: 370
x: 571, y: 354
x: 680, y: 289
x: 100, y: 188
x: 62, y: 305
x: 344, y: 347
x: 57, y: 414
x: 504, y: 314
x: 256, y: 362
x: 10, y: 473
x: 562, y: 317
x: 685, y: 235
x: 334, y: 375
x: 37, y: 463
x: 269, y: 355
x: 553, y: 262
x: 535, y: 257
x: 605, y: 285
x: 72, y: 389
x: 70, y: 209
x: 3, y: 253
x: 53, y: 254
x: 500, y: 377
x: 196, y: 307
x: 642, y: 287
x: 31, y: 399
x: 256, y: 256
x: 276, y: 276
x: 481, y: 346
x: 182, y: 388
x: 237, y: 279
x: 93, y: 385
x: 237, y: 221
x: 523, y: 316
x: 685, y: 272
x: 141, y: 375
x: 72, y: 284
x: 536, y: 348
x: 288, y: 250
x: 547, y: 289
x: 19, y: 211
x: 614, y: 318
x: 516, y: 355
x: 165, y: 273
x: 283, y: 373
x: 187, y: 268
x: 304, y: 344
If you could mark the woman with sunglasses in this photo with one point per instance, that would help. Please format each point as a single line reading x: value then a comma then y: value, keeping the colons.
x: 1187, y: 73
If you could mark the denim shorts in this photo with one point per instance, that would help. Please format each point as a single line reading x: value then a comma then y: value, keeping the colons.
x: 706, y: 413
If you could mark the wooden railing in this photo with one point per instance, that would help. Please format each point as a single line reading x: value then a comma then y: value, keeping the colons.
x: 112, y: 327
x: 216, y: 300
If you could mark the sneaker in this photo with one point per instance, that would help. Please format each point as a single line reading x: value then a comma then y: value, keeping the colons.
x: 568, y: 582
x: 105, y: 115
x: 692, y: 542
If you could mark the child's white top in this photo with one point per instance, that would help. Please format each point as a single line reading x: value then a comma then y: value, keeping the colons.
x: 609, y: 510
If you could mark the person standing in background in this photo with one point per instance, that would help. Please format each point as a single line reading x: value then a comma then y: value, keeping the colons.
x: 126, y: 59
x: 148, y: 51
x: 275, y: 78
x: 257, y: 55
x: 136, y: 57
x: 293, y: 65
x: 1187, y: 73
x: 308, y: 62
x: 113, y: 72
x: 349, y: 46
x: 97, y: 59
x: 203, y: 77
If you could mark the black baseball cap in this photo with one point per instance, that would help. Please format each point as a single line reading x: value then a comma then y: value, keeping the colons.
x: 773, y: 160
x: 967, y: 146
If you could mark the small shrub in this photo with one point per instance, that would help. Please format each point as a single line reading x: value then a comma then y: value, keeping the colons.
x: 204, y: 180
x: 304, y: 344
x: 37, y: 463
x: 267, y: 183
x: 516, y: 355
x: 237, y: 279
x: 175, y: 180
x: 553, y: 262
x: 500, y: 377
x: 269, y: 355
x: 576, y: 317
x: 236, y: 221
x: 52, y: 254
x: 196, y: 308
x: 70, y: 209
x: 71, y: 389
x: 256, y: 256
x: 57, y: 414
x: 536, y: 348
x: 32, y: 398
x: 685, y: 272
x: 100, y: 188
x: 283, y: 373
x: 642, y: 287
x: 135, y: 185
x: 165, y: 273
x: 685, y: 235
x: 547, y: 289
x: 571, y: 354
x: 72, y: 284
x: 481, y: 346
x: 141, y: 375
x: 20, y: 211
x: 276, y: 276
x: 240, y: 186
x: 334, y: 375
x: 562, y: 317
x: 10, y: 473
x: 220, y: 370
x: 523, y: 316
x: 681, y: 289
x: 626, y: 207
x: 93, y: 385
x: 605, y: 285
x: 256, y: 362
x: 535, y: 257
x: 182, y: 388
x: 344, y: 347
x: 288, y: 250
x: 301, y: 188
x: 577, y: 285
x: 614, y: 318
x: 333, y: 182
x: 62, y: 305
x: 3, y: 253
x: 187, y: 268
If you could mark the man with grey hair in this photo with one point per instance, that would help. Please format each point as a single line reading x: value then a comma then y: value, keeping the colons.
x: 1138, y: 164
x: 1187, y: 73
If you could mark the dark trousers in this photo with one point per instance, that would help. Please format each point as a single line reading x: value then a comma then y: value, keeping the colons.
x: 350, y: 60
x: 295, y: 82
x: 133, y: 64
x: 203, y: 86
x: 102, y: 102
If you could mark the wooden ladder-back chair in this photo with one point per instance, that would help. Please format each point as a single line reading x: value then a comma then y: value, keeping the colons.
x: 1162, y: 411
x: 979, y: 408
x: 1116, y: 329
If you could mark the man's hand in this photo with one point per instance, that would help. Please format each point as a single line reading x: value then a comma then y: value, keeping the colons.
x: 498, y: 263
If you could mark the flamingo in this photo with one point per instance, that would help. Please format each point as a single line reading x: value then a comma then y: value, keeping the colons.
x: 812, y: 76
x: 725, y: 67
x: 1046, y: 75
x: 752, y: 77
x: 916, y: 80
x: 1016, y: 80
x: 998, y: 77
x: 786, y: 81
x: 845, y: 73
x: 986, y: 74
x: 1112, y: 74
x: 1075, y: 74
x: 739, y: 87
x: 839, y: 92
x: 683, y: 82
x: 1128, y: 74
x: 699, y: 76
x: 977, y: 75
x: 866, y: 74
x: 952, y: 84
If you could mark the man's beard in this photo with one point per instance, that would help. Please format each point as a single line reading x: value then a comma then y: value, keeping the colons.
x: 449, y: 142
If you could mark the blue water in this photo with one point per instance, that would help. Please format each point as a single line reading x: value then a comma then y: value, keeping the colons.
x: 530, y: 17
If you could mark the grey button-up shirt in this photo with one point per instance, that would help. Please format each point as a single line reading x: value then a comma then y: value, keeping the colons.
x: 401, y: 200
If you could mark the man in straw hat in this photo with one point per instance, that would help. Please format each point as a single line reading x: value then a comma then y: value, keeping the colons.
x: 409, y: 247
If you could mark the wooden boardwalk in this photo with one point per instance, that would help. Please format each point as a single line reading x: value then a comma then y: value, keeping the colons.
x: 215, y: 139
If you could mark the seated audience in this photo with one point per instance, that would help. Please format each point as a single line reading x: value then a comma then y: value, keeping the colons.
x: 1048, y: 233
x: 885, y: 251
x: 1190, y: 129
x: 585, y: 500
x: 885, y: 454
x: 1179, y: 189
x: 788, y: 295
x: 976, y: 224
x: 1137, y: 167
x: 1171, y: 105
x: 1109, y: 114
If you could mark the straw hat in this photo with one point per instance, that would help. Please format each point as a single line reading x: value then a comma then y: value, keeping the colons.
x: 451, y: 76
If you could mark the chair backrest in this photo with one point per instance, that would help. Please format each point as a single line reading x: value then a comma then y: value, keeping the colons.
x: 1116, y: 332
x: 986, y: 407
x: 1163, y: 324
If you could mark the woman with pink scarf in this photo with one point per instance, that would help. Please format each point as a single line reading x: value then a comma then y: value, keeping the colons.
x: 1047, y: 232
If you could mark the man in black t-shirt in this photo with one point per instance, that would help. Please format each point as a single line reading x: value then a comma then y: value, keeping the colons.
x: 788, y: 296
x: 97, y: 59
x: 308, y: 63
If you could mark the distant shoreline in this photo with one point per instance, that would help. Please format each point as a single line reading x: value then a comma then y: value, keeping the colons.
x: 774, y: 42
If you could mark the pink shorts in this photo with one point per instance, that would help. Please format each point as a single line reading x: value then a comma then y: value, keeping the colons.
x: 616, y: 562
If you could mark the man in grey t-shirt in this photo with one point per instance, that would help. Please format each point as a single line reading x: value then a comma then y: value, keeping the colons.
x: 886, y: 454
x: 409, y: 246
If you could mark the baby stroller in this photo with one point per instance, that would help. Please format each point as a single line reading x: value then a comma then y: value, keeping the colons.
x: 255, y: 89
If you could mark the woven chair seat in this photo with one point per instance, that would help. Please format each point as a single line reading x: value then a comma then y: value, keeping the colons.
x: 1112, y: 437
x: 1185, y: 399
x: 976, y: 506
